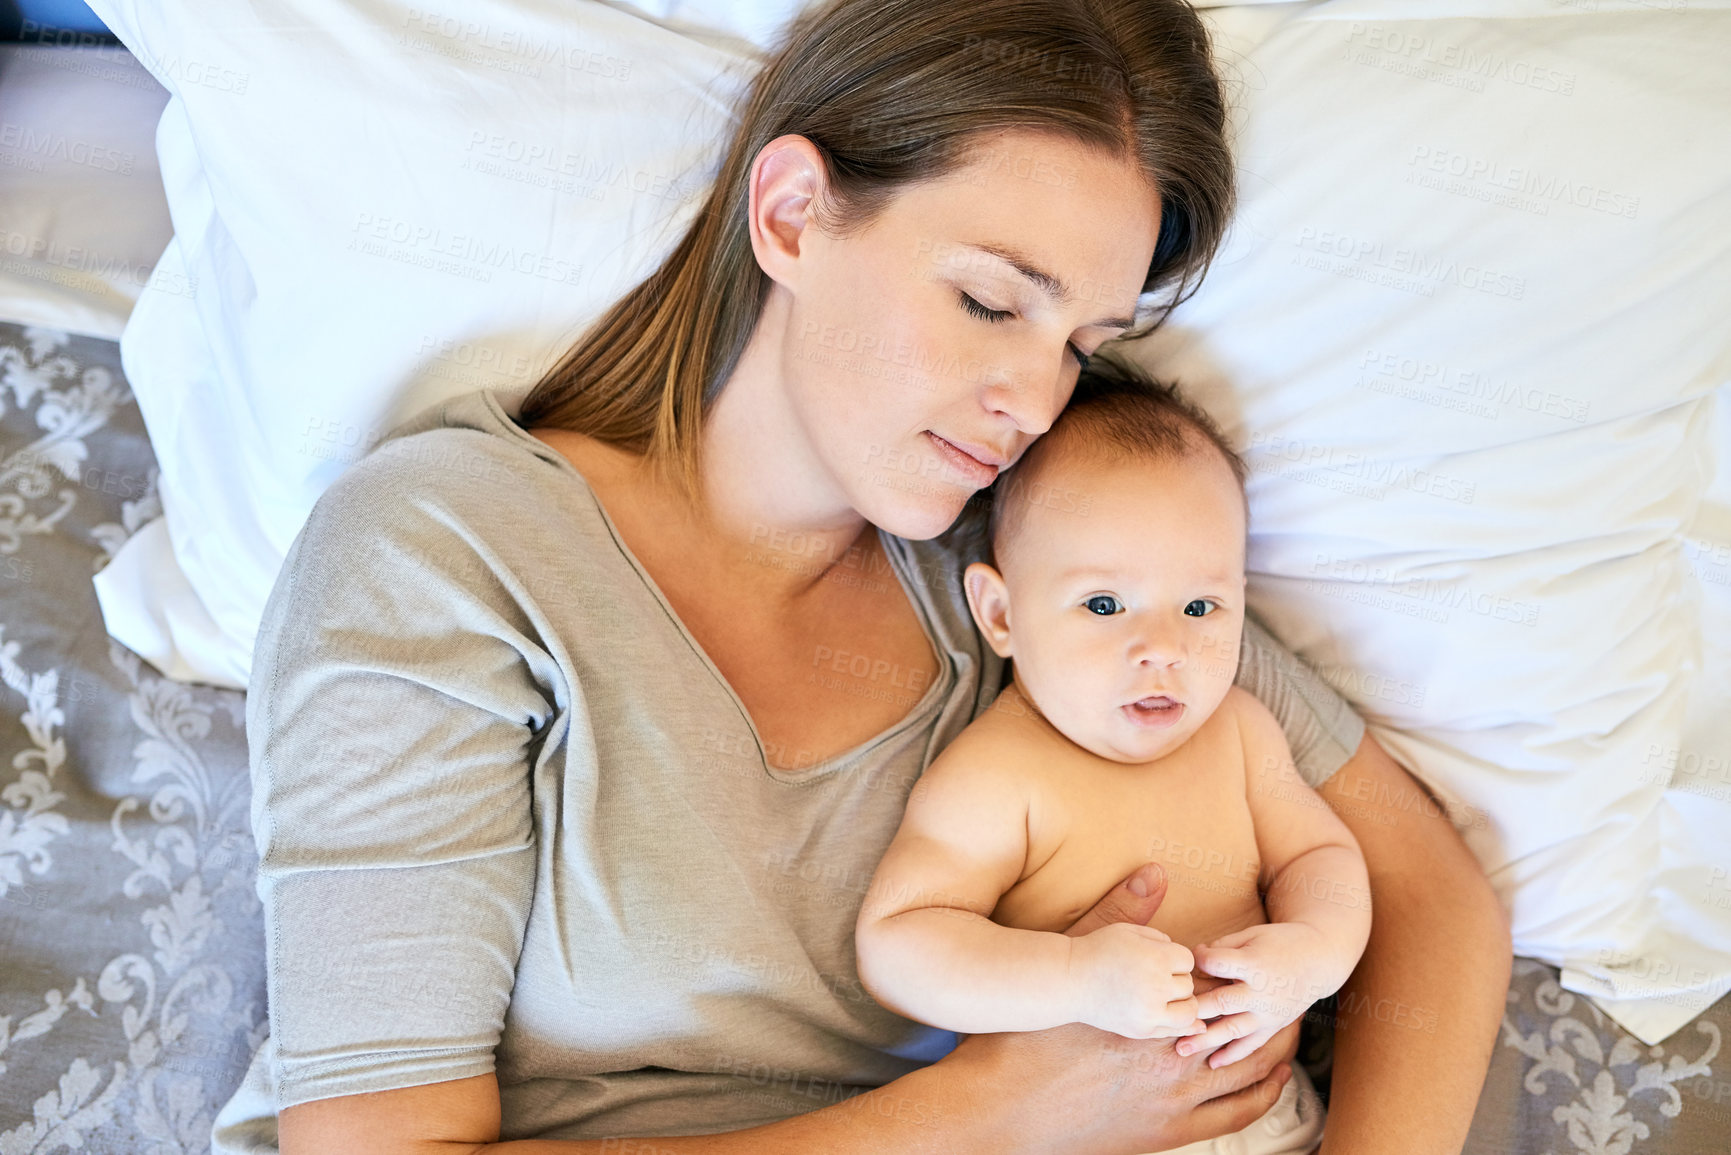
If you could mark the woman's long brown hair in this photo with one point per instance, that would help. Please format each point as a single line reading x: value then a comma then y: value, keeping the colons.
x: 891, y: 92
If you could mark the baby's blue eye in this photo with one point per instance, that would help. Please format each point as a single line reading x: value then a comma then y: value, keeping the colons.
x: 1103, y: 604
x: 1197, y: 608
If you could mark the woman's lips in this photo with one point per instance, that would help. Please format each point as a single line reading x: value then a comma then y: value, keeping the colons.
x: 966, y: 464
x: 1155, y: 713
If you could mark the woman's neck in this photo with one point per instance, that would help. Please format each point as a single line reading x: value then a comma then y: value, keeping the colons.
x: 769, y: 494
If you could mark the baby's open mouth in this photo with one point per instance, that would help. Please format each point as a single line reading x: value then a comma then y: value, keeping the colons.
x: 1158, y: 710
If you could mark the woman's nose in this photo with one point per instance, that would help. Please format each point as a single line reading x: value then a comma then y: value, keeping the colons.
x: 1029, y: 400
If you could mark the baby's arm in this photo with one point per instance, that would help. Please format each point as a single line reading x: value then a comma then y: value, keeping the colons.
x: 1317, y: 899
x: 928, y: 950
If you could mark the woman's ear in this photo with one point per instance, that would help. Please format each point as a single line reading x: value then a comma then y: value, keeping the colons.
x: 989, y: 602
x: 786, y: 175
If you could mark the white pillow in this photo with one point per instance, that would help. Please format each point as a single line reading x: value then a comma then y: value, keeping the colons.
x: 382, y: 206
x: 1468, y: 337
x: 337, y: 298
x: 82, y: 215
x: 757, y: 22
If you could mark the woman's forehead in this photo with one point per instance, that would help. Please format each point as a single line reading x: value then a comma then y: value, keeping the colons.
x: 1084, y: 245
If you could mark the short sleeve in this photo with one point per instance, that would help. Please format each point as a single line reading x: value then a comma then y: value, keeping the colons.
x: 392, y: 723
x: 1322, y: 729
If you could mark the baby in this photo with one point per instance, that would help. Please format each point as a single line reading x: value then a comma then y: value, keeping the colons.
x: 1118, y: 591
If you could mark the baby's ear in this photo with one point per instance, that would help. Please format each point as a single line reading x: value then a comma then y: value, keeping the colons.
x: 989, y: 602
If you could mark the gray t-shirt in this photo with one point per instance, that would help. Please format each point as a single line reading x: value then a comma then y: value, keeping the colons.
x: 510, y: 817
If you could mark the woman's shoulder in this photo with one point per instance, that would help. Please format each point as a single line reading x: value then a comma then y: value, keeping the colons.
x: 456, y: 503
x: 463, y: 445
x: 460, y: 466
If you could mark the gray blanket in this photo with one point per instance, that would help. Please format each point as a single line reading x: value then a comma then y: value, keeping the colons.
x: 131, y: 956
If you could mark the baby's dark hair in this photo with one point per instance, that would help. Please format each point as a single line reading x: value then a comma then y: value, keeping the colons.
x: 1116, y: 413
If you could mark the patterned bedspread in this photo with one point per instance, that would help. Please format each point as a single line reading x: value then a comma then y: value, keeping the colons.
x: 132, y: 991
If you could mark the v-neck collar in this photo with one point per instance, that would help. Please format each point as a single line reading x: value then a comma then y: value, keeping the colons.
x: 894, y: 549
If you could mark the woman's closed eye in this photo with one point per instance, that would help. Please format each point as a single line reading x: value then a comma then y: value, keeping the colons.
x: 995, y: 315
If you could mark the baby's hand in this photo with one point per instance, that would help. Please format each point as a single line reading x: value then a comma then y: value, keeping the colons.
x: 1279, y: 969
x: 1134, y: 981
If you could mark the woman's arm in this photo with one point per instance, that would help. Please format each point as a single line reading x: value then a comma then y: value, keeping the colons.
x: 930, y: 1109
x: 1418, y: 1019
x: 1073, y: 1087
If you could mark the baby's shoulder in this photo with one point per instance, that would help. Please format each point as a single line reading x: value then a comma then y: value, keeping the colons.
x: 1006, y: 742
x: 1243, y: 734
x: 1239, y: 711
x: 1248, y: 719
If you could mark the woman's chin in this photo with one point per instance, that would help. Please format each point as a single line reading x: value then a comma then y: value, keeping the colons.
x: 917, y: 517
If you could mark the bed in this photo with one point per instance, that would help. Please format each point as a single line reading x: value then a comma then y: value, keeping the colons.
x: 145, y: 479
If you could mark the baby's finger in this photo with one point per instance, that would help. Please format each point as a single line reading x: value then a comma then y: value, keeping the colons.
x: 1181, y: 1016
x: 1239, y: 1048
x: 1229, y: 999
x: 1180, y: 1030
x: 1225, y: 962
x: 1219, y: 1031
x: 1236, y: 939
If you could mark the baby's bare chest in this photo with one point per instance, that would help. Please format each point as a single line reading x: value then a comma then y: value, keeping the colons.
x: 1091, y: 823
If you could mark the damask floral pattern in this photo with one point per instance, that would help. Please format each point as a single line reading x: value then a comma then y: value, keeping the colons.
x: 1568, y: 1079
x: 131, y: 943
x: 132, y: 992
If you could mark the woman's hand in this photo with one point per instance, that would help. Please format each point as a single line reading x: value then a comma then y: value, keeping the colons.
x: 1085, y: 1091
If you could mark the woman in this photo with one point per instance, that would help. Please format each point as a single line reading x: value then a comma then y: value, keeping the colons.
x: 577, y: 737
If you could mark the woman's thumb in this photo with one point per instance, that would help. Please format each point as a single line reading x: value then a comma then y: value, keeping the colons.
x: 1148, y: 881
x: 1136, y: 900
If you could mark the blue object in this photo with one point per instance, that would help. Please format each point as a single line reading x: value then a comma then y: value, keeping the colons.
x: 59, y: 23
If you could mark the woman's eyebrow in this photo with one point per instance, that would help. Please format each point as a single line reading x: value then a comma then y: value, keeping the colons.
x: 1046, y: 282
